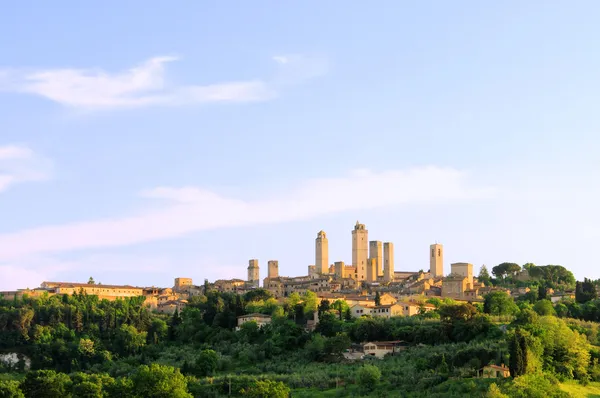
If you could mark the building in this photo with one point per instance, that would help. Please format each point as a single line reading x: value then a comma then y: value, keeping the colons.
x: 454, y: 286
x: 464, y: 269
x: 322, y: 253
x: 182, y: 285
x: 360, y: 250
x: 436, y: 260
x: 169, y: 307
x: 379, y: 349
x: 388, y: 262
x: 108, y: 292
x: 387, y: 310
x: 493, y: 372
x: 260, y: 319
x: 358, y: 310
x: 253, y: 273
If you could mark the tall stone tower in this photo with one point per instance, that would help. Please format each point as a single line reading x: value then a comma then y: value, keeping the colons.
x: 376, y: 253
x: 436, y: 260
x: 371, y: 270
x: 273, y: 269
x: 360, y: 249
x: 388, y: 261
x: 322, y: 253
x: 253, y: 272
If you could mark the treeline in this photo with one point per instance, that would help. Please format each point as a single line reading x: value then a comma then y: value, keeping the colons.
x: 81, y: 346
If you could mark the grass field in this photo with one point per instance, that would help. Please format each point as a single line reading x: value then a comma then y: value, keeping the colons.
x: 579, y: 391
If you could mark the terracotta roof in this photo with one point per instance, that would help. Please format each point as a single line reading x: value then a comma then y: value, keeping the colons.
x: 496, y: 367
x: 254, y: 315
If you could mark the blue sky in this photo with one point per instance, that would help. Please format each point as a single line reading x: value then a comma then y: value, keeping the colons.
x: 141, y: 142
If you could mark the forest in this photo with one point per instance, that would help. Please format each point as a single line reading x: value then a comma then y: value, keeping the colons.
x: 80, y: 346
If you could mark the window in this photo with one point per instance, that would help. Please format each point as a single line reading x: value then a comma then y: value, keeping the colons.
x: 439, y: 252
x: 432, y: 252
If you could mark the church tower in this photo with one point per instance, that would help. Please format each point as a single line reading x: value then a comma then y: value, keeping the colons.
x: 360, y: 250
x: 253, y: 272
x: 322, y: 253
x: 436, y: 260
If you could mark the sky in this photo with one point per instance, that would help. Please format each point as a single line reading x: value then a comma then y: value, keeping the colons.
x: 142, y: 141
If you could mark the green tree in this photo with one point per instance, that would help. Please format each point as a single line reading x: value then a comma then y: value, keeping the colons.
x: 159, y: 381
x: 505, y: 269
x: 158, y: 331
x: 324, y: 307
x: 368, y: 377
x: 91, y: 281
x: 544, y: 308
x: 518, y: 354
x: 10, y: 389
x: 499, y: 303
x: 495, y: 392
x: 267, y: 389
x: 340, y: 306
x: 585, y: 291
x: 87, y: 389
x: 377, y: 298
x: 484, y: 275
x: 207, y: 362
x: 46, y: 384
x: 129, y: 340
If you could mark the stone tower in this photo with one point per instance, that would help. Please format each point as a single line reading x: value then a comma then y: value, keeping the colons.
x: 360, y: 249
x: 388, y: 261
x: 253, y: 272
x: 436, y: 260
x: 322, y: 253
x: 371, y: 270
x: 375, y: 252
x: 273, y: 269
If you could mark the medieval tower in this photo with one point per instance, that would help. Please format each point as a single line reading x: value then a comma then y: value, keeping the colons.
x: 322, y: 253
x: 253, y: 273
x: 388, y: 261
x: 436, y: 260
x: 360, y: 249
x: 273, y: 269
x: 376, y: 254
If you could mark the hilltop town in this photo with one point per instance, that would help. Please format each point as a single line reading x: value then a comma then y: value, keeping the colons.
x: 372, y: 273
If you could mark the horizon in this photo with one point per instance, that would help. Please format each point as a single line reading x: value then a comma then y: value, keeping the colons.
x: 184, y: 141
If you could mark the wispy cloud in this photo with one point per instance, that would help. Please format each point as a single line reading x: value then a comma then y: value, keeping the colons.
x: 186, y: 210
x: 20, y: 164
x: 146, y: 85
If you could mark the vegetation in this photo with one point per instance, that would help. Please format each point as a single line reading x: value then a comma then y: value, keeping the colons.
x: 80, y: 346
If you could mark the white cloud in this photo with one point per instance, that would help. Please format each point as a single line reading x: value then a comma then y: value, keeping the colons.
x: 20, y: 164
x: 192, y: 209
x: 10, y: 152
x: 145, y: 85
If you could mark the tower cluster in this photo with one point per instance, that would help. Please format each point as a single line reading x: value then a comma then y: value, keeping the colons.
x: 372, y: 262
